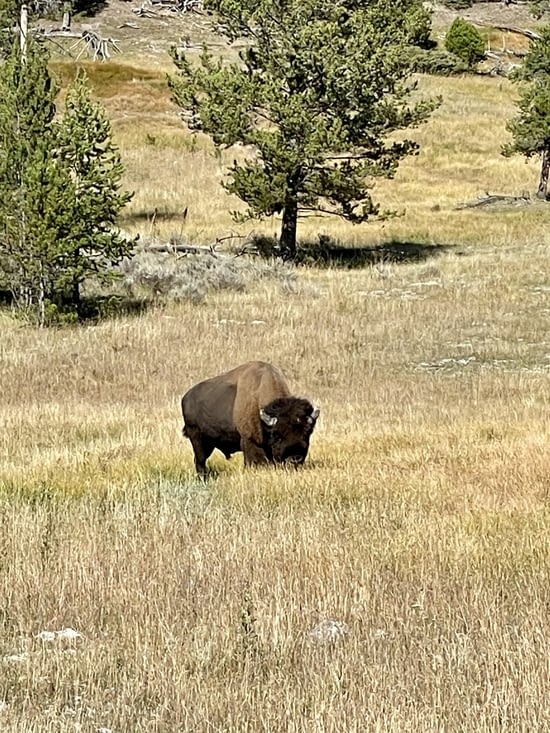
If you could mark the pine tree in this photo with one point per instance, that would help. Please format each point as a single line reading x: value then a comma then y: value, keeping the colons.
x: 465, y: 41
x: 85, y: 150
x: 59, y: 183
x: 31, y: 185
x: 531, y: 127
x: 316, y: 95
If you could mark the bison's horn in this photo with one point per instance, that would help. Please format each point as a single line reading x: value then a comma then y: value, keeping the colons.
x: 269, y: 420
x: 315, y: 413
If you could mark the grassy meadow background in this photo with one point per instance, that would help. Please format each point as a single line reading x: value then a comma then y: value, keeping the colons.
x: 421, y: 519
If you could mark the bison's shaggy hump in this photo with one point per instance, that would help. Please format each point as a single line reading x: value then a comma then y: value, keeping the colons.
x: 293, y: 406
x: 249, y: 409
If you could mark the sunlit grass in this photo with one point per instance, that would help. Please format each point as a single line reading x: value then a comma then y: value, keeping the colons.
x: 420, y: 518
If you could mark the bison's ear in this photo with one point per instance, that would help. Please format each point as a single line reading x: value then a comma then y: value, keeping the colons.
x: 315, y: 413
x: 269, y: 420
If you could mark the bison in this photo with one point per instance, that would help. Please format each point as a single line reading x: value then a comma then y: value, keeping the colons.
x: 248, y: 409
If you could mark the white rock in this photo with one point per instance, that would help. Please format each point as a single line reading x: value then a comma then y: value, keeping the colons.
x: 69, y: 634
x: 16, y: 658
x: 66, y: 634
x: 329, y: 631
x: 46, y: 636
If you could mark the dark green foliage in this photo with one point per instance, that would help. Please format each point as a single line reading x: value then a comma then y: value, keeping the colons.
x: 458, y: 4
x: 535, y: 63
x: 86, y: 151
x: 88, y: 7
x: 438, y: 62
x: 59, y: 194
x: 419, y: 24
x: 315, y: 96
x: 531, y: 128
x: 465, y: 41
x: 540, y: 7
x: 9, y: 11
x: 31, y: 185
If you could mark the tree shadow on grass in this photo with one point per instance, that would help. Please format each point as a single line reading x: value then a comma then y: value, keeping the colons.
x: 101, y: 307
x: 152, y: 216
x: 332, y: 254
x: 90, y: 308
x: 88, y: 8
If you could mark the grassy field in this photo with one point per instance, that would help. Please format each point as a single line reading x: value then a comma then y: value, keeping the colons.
x: 421, y: 519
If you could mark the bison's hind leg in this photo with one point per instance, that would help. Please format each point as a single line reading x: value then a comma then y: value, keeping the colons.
x: 202, y: 448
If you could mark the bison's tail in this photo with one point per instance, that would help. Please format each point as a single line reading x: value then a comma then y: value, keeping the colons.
x: 184, y: 431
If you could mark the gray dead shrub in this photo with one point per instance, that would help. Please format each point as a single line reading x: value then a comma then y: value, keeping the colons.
x: 191, y: 277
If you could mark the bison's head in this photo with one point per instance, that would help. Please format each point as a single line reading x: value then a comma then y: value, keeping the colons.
x: 287, y: 425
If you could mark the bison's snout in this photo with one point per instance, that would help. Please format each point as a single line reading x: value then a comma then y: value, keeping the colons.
x: 294, y: 455
x: 294, y: 460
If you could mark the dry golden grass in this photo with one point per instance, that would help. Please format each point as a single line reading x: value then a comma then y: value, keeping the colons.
x: 421, y: 518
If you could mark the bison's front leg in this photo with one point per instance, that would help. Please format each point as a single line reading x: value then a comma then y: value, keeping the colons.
x: 254, y: 455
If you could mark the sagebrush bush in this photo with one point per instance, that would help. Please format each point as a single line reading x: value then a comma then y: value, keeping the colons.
x: 192, y: 277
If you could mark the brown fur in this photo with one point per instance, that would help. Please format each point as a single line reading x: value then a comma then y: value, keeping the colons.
x: 224, y: 412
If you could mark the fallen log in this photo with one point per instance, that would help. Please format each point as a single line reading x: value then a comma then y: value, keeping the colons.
x: 531, y: 35
x: 496, y: 199
x: 188, y: 249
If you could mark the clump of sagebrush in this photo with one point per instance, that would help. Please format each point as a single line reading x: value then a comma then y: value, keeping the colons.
x: 193, y: 276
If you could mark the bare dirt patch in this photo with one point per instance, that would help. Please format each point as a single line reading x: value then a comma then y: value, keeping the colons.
x: 148, y: 38
x: 495, y: 13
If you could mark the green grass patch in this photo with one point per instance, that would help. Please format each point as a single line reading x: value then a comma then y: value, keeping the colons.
x: 108, y: 78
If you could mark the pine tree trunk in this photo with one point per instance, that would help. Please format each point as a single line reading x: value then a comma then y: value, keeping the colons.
x: 287, y: 240
x: 542, y: 193
x: 75, y: 296
x: 41, y: 303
